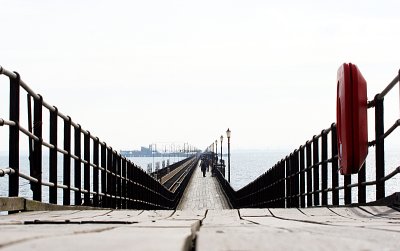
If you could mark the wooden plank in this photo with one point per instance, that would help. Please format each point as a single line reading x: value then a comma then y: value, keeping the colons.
x: 11, y: 234
x: 318, y: 211
x: 311, y: 238
x: 382, y: 211
x: 228, y: 217
x: 23, y: 217
x: 256, y: 212
x: 290, y: 231
x: 31, y: 205
x: 193, y: 225
x: 12, y: 204
x: 120, y: 238
x: 286, y: 212
x: 116, y: 216
x: 352, y: 212
x: 203, y: 193
x: 318, y: 215
x: 294, y: 219
x: 188, y: 215
x: 129, y: 216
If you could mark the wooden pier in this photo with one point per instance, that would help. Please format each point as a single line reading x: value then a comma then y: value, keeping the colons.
x: 109, y: 203
x: 202, y: 222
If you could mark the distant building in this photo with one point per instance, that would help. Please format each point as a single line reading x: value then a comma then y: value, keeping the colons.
x: 144, y: 152
x: 150, y: 152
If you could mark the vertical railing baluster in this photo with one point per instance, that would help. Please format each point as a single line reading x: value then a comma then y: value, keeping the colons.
x: 361, y: 188
x: 109, y: 177
x: 104, y: 175
x: 53, y: 155
x: 379, y: 148
x: 124, y: 184
x: 13, y: 157
x: 96, y: 172
x: 347, y: 190
x: 115, y: 180
x: 36, y: 171
x: 134, y: 189
x: 282, y: 185
x: 295, y: 170
x: 67, y: 162
x: 302, y: 178
x: 77, y: 165
x: 335, y: 174
x: 316, y: 170
x: 119, y: 181
x: 288, y: 192
x: 309, y: 174
x: 324, y: 167
x: 129, y: 184
x: 86, y: 168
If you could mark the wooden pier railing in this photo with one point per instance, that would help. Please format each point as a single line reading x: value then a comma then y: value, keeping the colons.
x: 309, y: 175
x: 92, y: 171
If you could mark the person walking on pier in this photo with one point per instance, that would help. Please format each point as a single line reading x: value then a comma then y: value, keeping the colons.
x: 204, y: 165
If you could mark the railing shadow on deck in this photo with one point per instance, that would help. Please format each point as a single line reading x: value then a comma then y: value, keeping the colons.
x: 301, y: 178
x: 101, y: 176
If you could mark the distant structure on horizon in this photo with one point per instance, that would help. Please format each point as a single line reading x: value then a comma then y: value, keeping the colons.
x: 149, y: 152
x: 143, y: 152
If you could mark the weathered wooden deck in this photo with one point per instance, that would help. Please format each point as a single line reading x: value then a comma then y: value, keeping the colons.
x: 358, y: 228
x: 203, y: 193
x: 204, y: 223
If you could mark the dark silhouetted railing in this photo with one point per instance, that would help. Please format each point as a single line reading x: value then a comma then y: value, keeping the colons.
x: 309, y: 175
x: 96, y: 174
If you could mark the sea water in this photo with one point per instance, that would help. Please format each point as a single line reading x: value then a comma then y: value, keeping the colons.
x: 245, y: 167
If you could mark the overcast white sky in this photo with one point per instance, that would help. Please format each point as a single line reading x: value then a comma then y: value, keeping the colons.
x: 138, y: 72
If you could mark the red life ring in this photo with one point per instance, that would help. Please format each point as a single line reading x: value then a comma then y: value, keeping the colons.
x: 351, y: 119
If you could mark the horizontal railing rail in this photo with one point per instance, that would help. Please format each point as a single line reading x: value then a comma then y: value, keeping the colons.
x: 92, y: 171
x: 309, y: 176
x: 164, y: 171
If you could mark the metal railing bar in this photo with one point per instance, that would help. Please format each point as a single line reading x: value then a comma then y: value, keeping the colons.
x: 6, y: 170
x: 387, y: 133
x: 45, y: 104
x: 389, y: 87
x: 50, y: 184
x: 365, y: 183
x: 32, y: 136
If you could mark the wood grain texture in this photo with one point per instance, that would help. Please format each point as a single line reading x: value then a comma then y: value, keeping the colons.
x: 203, y: 193
x: 341, y: 228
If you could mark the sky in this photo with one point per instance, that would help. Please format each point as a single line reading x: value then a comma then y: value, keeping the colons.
x: 135, y: 73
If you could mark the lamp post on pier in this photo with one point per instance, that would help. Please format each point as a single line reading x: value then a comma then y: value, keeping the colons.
x: 216, y: 150
x: 221, y: 138
x: 228, y: 135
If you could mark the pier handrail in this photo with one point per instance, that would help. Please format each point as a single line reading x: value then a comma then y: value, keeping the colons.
x: 301, y: 178
x: 109, y: 179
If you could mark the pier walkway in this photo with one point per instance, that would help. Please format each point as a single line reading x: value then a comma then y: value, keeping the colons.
x: 204, y: 222
x: 110, y: 203
x: 343, y: 228
x: 203, y: 193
